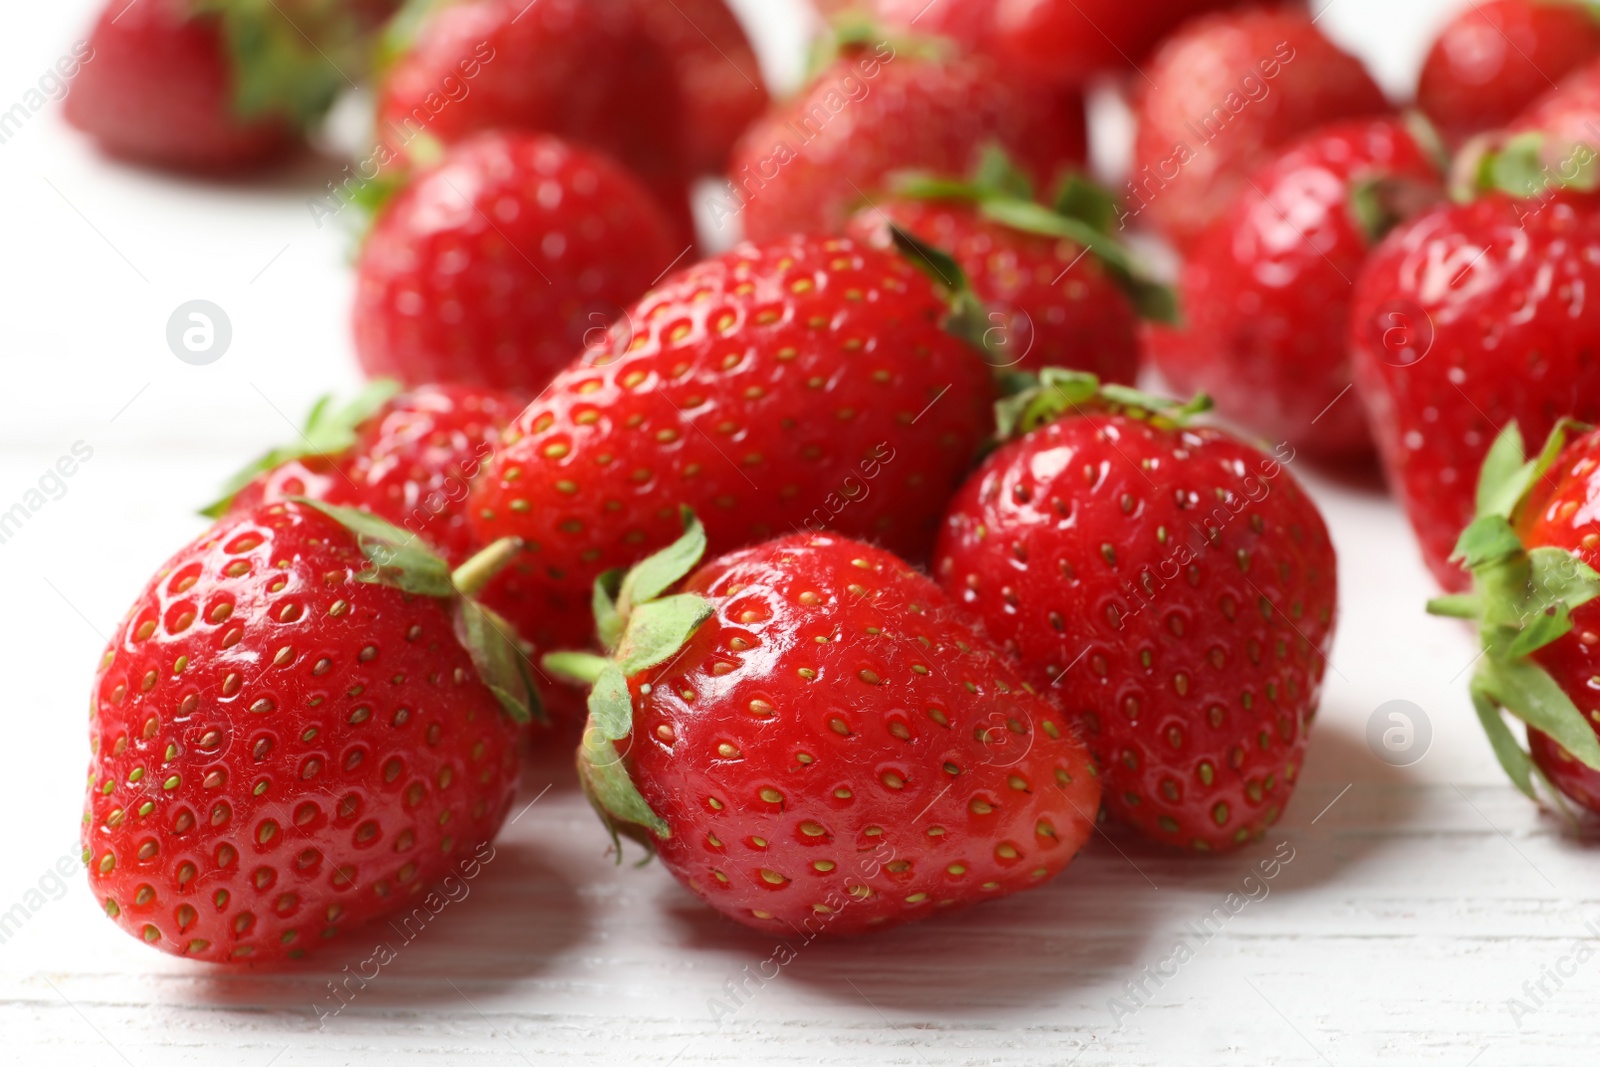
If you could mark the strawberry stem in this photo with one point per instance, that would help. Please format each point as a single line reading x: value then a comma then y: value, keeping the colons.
x: 472, y: 576
x: 583, y: 668
x: 1039, y: 399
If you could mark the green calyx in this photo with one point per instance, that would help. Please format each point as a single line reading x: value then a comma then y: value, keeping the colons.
x: 1379, y: 204
x: 397, y: 559
x: 640, y: 628
x: 328, y: 431
x: 291, y: 58
x: 1525, y: 166
x: 1522, y: 601
x: 855, y: 31
x: 1035, y: 400
x: 1082, y: 212
x: 403, y: 30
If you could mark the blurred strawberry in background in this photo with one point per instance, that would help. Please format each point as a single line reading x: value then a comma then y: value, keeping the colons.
x: 1266, y: 290
x: 1064, y: 42
x: 504, y: 262
x: 218, y: 85
x: 1497, y: 57
x: 886, y: 105
x: 1223, y: 94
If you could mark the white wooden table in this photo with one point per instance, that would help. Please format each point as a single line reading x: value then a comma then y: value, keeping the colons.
x: 1418, y: 903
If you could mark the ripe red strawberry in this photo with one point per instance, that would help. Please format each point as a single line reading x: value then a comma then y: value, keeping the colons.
x: 500, y: 265
x: 1050, y: 302
x: 1466, y: 318
x: 719, y: 79
x: 406, y: 457
x: 1066, y: 42
x: 1266, y: 290
x: 879, y: 108
x: 1497, y: 57
x: 1224, y: 94
x: 1553, y: 145
x: 410, y: 460
x: 216, y: 85
x: 816, y: 741
x: 584, y: 70
x: 287, y: 742
x: 1531, y: 552
x: 804, y: 383
x: 1173, y: 590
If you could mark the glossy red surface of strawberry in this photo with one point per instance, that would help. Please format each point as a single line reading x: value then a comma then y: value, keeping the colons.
x: 411, y: 464
x: 1050, y: 305
x: 1174, y: 592
x: 836, y: 749
x: 812, y: 162
x: 1464, y: 319
x: 1266, y: 290
x: 157, y: 88
x: 1560, y: 514
x: 502, y: 264
x: 804, y: 381
x: 584, y: 70
x: 719, y: 78
x: 282, y: 751
x: 1224, y: 95
x: 1499, y: 56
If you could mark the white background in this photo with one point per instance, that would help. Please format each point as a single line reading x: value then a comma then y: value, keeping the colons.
x: 1416, y: 905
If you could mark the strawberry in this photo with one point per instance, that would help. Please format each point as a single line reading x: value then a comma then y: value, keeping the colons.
x: 1065, y: 42
x: 1551, y: 146
x: 1266, y: 289
x: 289, y: 738
x: 498, y: 266
x: 1223, y: 95
x: 1497, y: 57
x: 816, y: 741
x: 1531, y: 551
x: 1172, y: 589
x: 584, y: 70
x: 881, y: 108
x: 803, y: 383
x: 410, y: 459
x: 718, y: 77
x: 216, y: 85
x: 1464, y: 319
x: 1050, y: 302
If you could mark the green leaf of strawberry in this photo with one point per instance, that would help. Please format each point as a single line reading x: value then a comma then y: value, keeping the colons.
x: 644, y: 629
x: 1082, y: 214
x: 1522, y: 601
x: 328, y: 431
x: 290, y: 58
x: 1039, y: 399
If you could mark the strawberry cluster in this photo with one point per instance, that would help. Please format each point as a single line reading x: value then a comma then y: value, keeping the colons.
x: 871, y: 581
